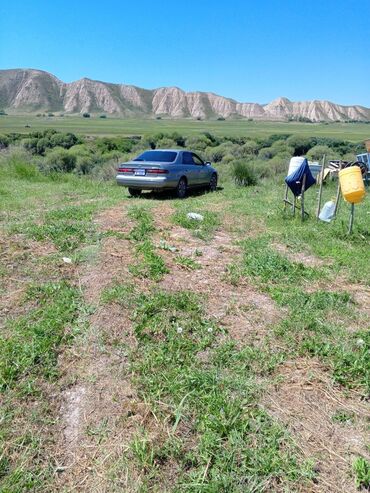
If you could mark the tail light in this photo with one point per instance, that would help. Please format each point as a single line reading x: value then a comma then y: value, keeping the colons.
x: 126, y: 170
x: 157, y: 171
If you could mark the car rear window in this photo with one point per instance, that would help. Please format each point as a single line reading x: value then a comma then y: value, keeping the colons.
x: 157, y: 156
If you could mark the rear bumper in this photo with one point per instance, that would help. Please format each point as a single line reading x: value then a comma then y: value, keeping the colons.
x: 145, y: 182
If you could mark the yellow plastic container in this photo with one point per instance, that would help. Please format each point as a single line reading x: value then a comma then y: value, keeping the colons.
x: 352, y: 184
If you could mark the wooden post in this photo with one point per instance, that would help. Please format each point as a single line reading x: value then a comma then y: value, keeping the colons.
x: 321, y: 184
x: 337, y: 198
x: 286, y: 196
x: 302, y: 196
x: 352, y: 213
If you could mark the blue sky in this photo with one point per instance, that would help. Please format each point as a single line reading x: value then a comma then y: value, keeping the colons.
x: 248, y: 50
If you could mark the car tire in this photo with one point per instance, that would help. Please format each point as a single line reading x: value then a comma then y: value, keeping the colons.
x: 181, y: 188
x: 134, y: 192
x: 212, y: 187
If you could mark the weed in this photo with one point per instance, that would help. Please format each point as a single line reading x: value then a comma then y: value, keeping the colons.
x: 144, y: 224
x: 123, y: 294
x: 67, y: 228
x: 361, y: 469
x: 187, y: 262
x: 150, y: 265
x: 263, y: 262
x: 341, y: 416
x: 32, y: 346
x: 216, y: 401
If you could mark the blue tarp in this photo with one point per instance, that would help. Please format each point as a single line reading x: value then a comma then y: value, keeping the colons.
x: 294, y: 181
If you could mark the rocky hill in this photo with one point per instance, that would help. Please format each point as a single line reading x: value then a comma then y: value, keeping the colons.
x: 29, y: 90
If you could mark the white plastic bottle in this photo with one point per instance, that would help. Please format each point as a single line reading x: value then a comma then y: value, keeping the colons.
x: 327, y: 212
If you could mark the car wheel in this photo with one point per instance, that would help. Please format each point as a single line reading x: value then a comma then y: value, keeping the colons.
x: 181, y: 188
x: 134, y: 192
x: 213, y: 183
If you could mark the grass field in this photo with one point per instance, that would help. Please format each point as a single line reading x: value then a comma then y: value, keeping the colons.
x: 116, y: 126
x: 229, y: 355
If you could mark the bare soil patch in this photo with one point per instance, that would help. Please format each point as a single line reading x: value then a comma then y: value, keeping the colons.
x: 305, y: 258
x: 242, y: 310
x: 306, y: 402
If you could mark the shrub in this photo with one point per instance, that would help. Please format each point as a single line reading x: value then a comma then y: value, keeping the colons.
x: 217, y: 153
x: 198, y: 143
x: 166, y: 144
x: 243, y: 174
x: 4, y: 142
x: 103, y: 116
x: 86, y: 115
x: 59, y: 160
x: 250, y: 148
x: 301, y: 145
x: 17, y: 162
x: 266, y: 153
x: 106, y: 171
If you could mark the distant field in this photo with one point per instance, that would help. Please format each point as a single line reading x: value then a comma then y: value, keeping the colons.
x: 118, y: 126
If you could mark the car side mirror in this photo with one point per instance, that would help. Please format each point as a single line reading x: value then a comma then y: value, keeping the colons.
x: 207, y: 163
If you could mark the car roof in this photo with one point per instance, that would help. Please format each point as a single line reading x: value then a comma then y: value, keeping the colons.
x: 171, y: 150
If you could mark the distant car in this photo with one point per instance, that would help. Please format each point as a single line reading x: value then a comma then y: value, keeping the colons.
x: 166, y: 169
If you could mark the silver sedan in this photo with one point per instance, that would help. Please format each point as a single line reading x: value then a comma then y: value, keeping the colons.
x: 166, y: 169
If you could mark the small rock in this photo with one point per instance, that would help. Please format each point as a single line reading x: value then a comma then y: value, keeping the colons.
x: 67, y: 260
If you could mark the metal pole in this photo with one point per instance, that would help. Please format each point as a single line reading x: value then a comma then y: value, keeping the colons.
x: 351, y: 219
x: 321, y: 184
x: 302, y: 196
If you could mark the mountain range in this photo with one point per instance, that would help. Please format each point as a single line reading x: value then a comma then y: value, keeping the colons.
x: 31, y: 91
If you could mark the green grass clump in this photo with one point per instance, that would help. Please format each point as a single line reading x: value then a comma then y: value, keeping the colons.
x: 262, y: 261
x: 187, y: 262
x: 201, y: 229
x: 149, y: 265
x: 361, y: 469
x: 144, y: 223
x: 230, y: 443
x: 309, y: 329
x: 30, y: 349
x: 67, y: 228
x: 121, y: 293
x: 243, y: 174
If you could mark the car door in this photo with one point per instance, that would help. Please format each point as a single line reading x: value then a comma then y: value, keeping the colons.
x: 203, y: 170
x: 192, y: 171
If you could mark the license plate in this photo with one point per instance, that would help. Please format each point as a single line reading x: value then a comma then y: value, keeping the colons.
x: 140, y: 172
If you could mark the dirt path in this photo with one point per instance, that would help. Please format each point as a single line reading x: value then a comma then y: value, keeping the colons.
x: 99, y: 410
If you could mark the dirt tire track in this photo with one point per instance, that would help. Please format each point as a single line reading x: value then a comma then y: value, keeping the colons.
x: 99, y: 410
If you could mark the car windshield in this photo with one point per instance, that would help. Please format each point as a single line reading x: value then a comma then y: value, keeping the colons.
x: 157, y: 156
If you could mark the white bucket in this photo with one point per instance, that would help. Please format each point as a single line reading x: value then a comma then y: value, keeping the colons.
x: 295, y: 163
